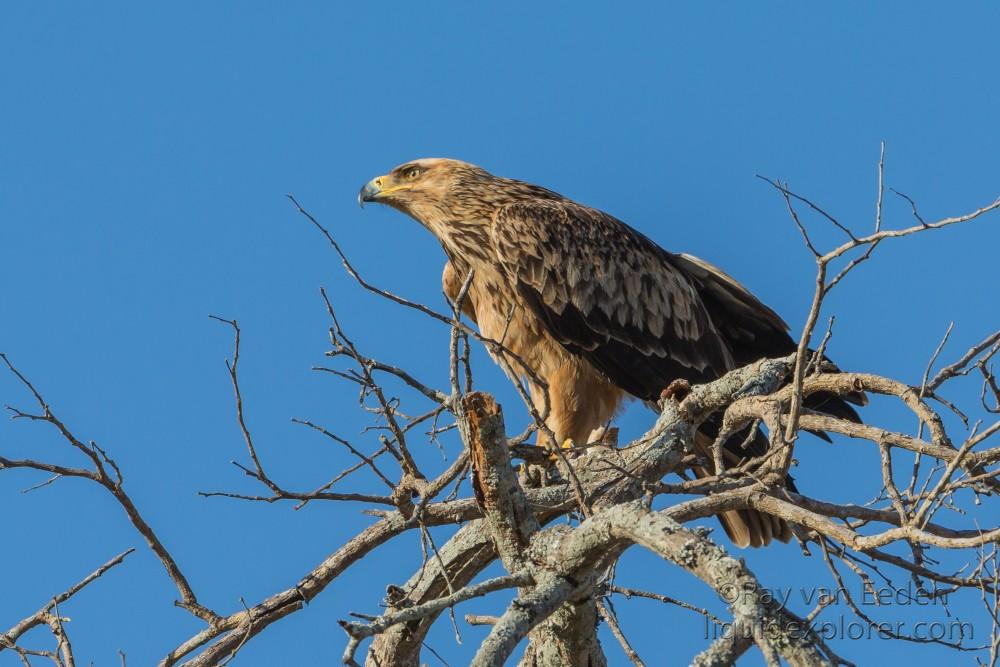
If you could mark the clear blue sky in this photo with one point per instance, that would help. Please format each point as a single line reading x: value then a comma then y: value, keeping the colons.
x: 145, y: 154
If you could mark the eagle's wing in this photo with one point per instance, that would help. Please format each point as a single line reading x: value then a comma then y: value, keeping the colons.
x: 451, y: 284
x: 609, y: 294
x: 752, y: 330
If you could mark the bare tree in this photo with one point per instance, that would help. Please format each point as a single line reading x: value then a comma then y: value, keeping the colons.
x: 560, y: 575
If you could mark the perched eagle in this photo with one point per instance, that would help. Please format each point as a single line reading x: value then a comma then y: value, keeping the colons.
x: 597, y: 310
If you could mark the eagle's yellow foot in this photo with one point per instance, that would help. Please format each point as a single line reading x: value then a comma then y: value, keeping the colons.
x: 566, y: 444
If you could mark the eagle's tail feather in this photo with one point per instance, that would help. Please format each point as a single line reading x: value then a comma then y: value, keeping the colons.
x: 745, y: 527
x: 750, y: 528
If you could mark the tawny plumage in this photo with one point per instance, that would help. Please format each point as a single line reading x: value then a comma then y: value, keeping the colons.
x: 594, y: 308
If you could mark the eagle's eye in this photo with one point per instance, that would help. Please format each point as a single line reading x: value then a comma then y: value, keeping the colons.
x: 411, y: 173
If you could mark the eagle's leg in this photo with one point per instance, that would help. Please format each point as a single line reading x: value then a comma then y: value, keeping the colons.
x: 581, y: 402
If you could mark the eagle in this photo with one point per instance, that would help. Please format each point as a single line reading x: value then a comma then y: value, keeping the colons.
x: 595, y: 309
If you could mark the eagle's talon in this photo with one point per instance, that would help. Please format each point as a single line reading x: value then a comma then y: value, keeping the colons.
x: 567, y: 444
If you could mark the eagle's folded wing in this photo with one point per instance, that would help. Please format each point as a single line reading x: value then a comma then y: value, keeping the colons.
x: 609, y: 294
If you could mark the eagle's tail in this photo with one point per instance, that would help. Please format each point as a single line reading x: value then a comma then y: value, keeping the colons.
x: 749, y: 527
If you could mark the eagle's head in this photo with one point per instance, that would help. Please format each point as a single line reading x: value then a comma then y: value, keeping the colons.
x: 455, y: 200
x: 430, y: 189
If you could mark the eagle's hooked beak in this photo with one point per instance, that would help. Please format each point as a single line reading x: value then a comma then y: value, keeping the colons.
x: 376, y: 189
x: 369, y: 191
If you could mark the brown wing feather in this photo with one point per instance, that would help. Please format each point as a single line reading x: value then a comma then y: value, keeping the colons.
x: 752, y: 329
x: 609, y: 294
